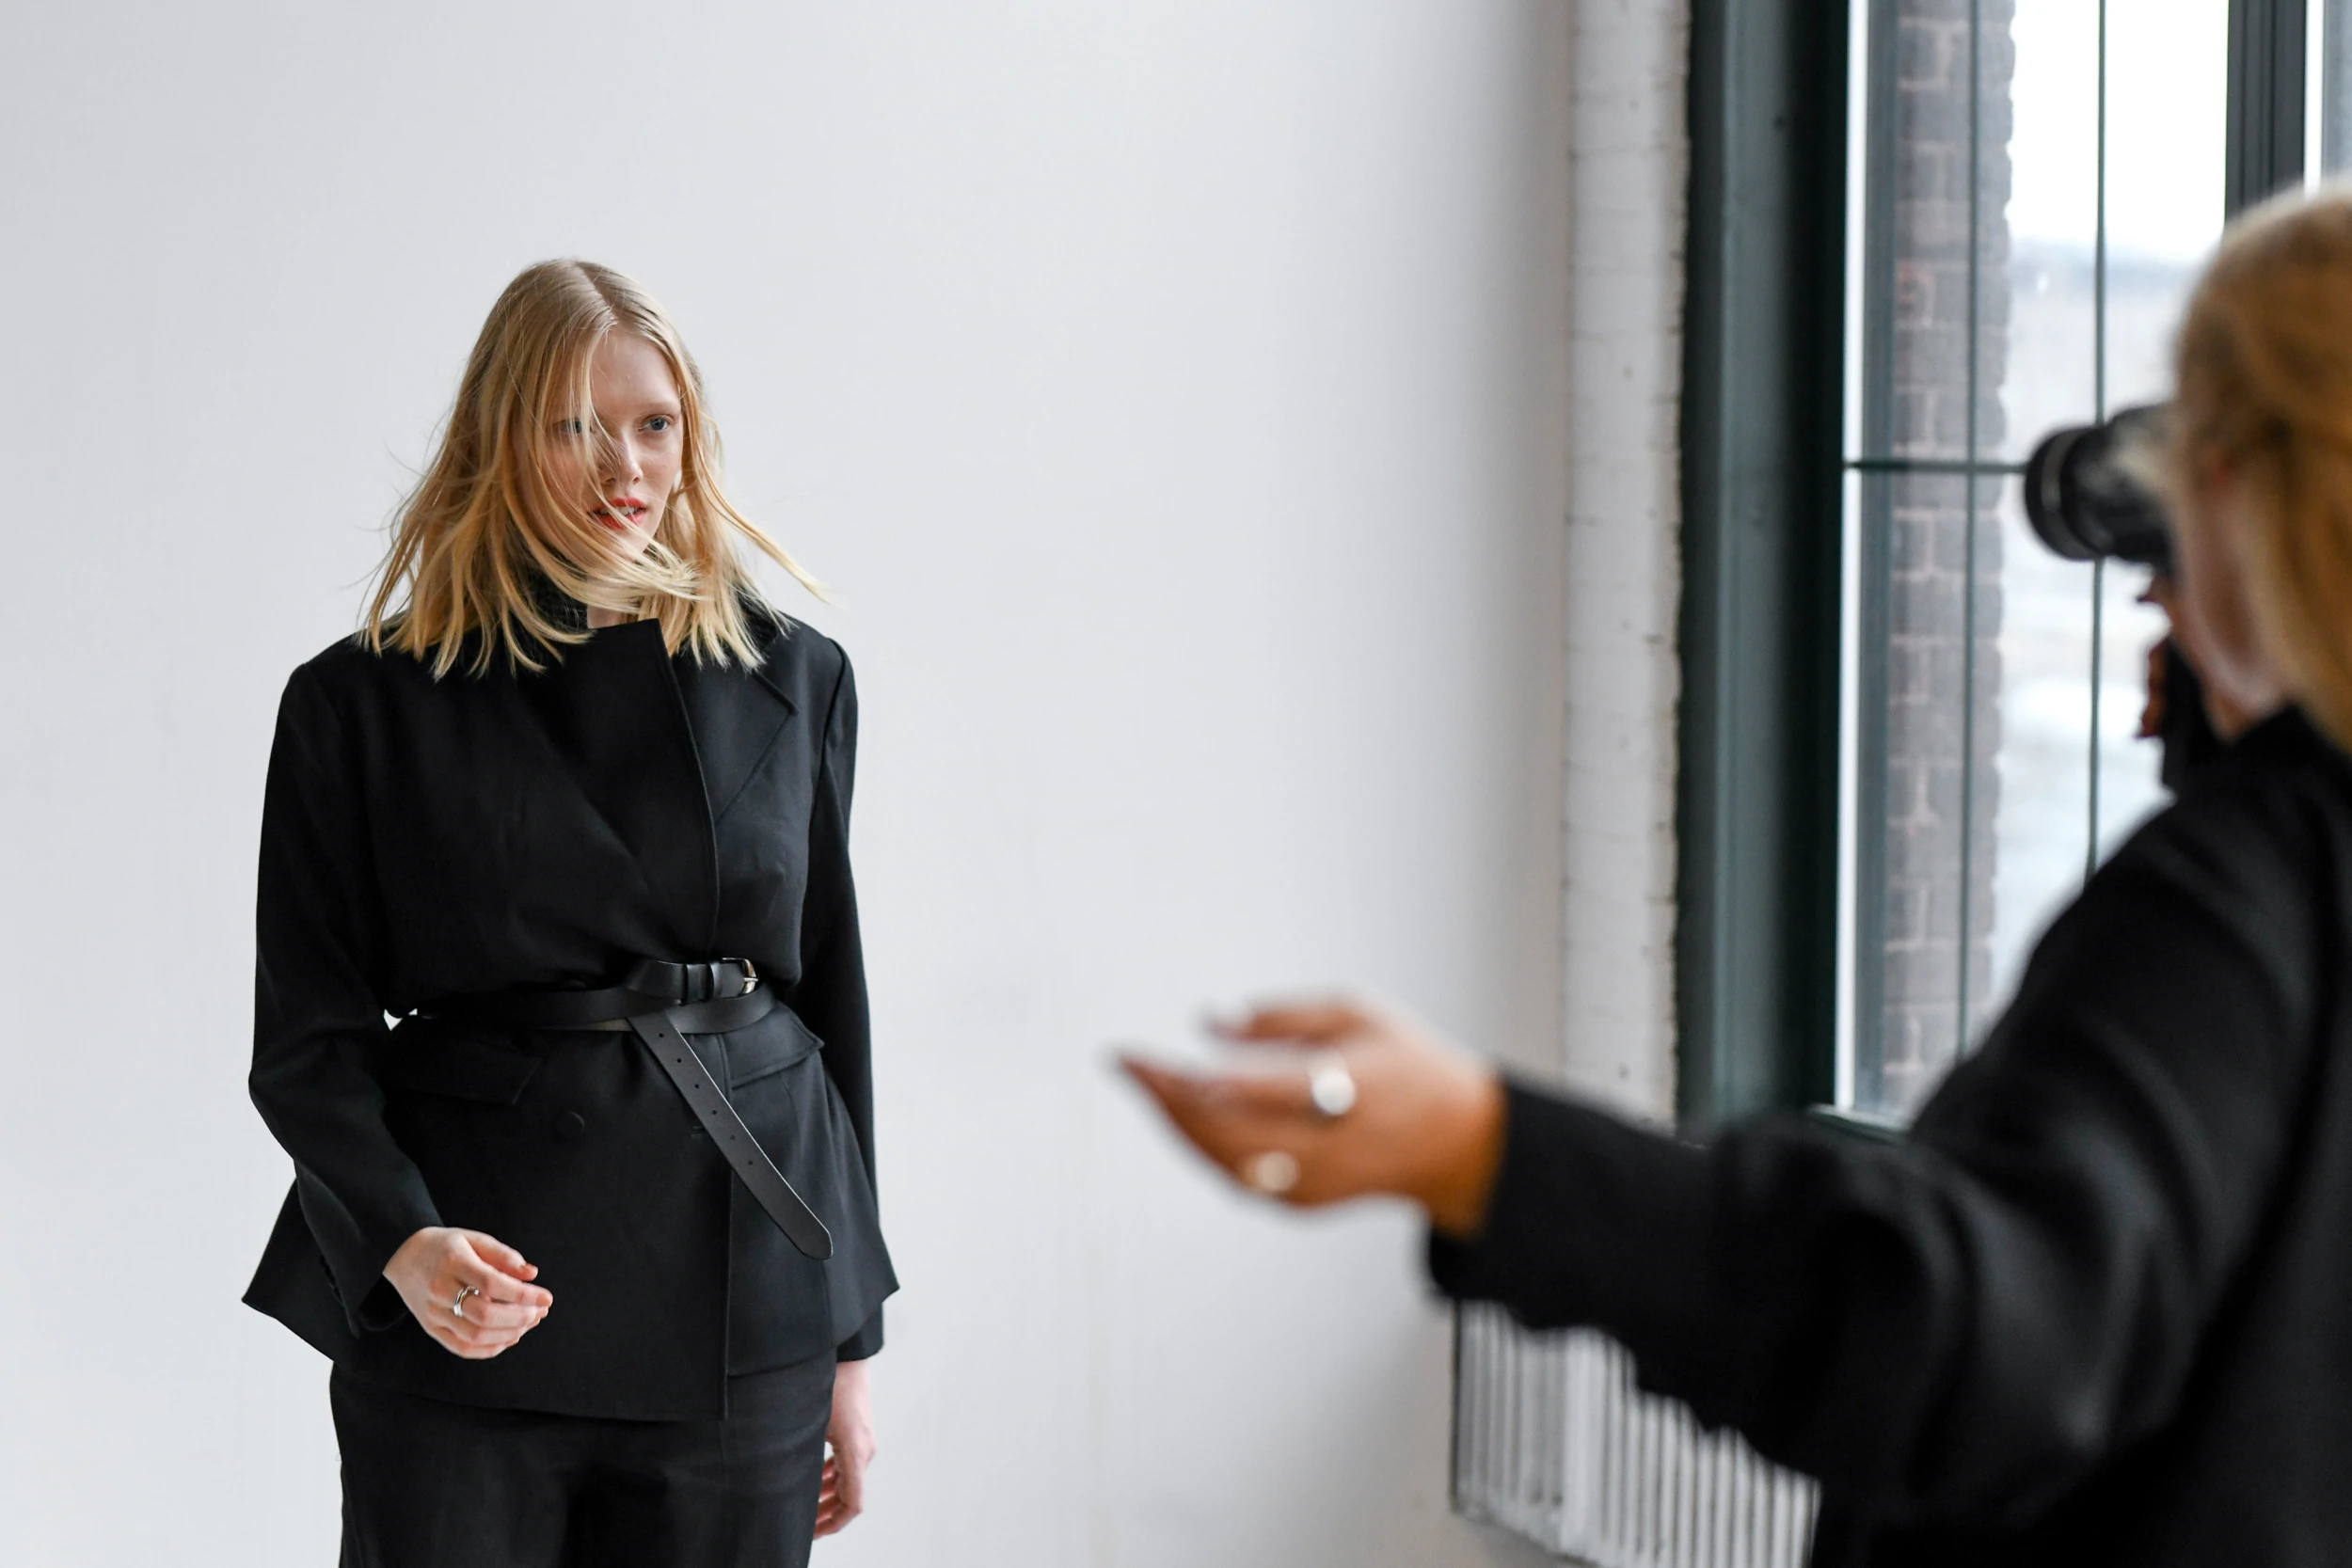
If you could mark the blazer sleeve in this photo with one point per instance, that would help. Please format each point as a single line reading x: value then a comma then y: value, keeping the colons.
x: 1963, y: 1325
x: 830, y: 996
x: 318, y: 1009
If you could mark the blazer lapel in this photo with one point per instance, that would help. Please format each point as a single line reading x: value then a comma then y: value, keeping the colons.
x: 738, y: 716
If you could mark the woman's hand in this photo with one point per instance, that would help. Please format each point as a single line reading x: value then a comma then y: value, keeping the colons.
x: 1425, y: 1122
x: 841, y: 1497
x: 500, y: 1303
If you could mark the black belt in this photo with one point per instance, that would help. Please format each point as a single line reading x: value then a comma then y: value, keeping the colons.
x: 662, y: 1004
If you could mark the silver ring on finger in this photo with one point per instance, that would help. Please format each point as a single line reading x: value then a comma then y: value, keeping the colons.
x: 1273, y: 1173
x: 1333, y: 1087
x: 457, y: 1306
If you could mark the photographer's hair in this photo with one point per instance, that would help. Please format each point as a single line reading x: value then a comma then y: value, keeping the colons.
x: 499, y: 510
x: 2265, y: 383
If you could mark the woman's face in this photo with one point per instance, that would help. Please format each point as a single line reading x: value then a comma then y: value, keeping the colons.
x: 2213, y: 609
x: 636, y: 400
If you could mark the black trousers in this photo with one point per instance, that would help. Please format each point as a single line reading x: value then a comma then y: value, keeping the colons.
x: 433, y: 1484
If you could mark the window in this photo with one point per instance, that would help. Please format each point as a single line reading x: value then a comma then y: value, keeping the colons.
x: 1909, y: 730
x: 2034, y: 185
x: 2037, y: 183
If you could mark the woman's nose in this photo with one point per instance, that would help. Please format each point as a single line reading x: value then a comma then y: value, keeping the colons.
x: 622, y: 465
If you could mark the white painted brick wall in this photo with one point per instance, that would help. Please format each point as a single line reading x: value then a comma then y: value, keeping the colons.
x: 1629, y: 163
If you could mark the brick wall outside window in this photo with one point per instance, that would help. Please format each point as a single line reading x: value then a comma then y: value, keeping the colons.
x: 1932, y: 722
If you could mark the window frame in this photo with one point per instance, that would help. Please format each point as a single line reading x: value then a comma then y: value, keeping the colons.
x: 1762, y: 427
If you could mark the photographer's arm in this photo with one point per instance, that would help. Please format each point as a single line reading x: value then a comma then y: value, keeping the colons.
x: 1958, y: 1326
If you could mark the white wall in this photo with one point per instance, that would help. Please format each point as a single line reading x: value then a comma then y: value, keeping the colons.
x: 1176, y: 392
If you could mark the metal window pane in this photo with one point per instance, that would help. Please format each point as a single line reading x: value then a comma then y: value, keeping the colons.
x: 1924, y: 760
x: 2335, y: 87
x: 2166, y: 136
x: 2041, y: 824
x: 2042, y: 758
x: 2018, y: 270
x: 2167, y: 115
x: 2052, y: 222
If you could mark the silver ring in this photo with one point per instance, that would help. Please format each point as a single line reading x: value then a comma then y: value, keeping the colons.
x: 1272, y: 1173
x: 1333, y: 1087
x: 458, y: 1307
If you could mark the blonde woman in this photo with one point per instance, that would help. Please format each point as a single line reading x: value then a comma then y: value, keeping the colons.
x: 2097, y: 1308
x: 559, y: 1004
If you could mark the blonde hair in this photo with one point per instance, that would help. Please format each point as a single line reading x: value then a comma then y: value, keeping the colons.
x: 2265, y: 383
x: 497, y: 510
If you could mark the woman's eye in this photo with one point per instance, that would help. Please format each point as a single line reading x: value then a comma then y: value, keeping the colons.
x: 571, y: 427
x: 660, y: 422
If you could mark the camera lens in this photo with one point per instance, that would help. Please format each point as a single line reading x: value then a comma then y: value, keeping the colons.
x: 2084, y: 501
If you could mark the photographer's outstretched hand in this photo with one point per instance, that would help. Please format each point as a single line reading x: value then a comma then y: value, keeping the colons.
x: 1382, y: 1107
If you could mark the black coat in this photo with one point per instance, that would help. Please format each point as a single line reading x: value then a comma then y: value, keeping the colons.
x: 423, y: 839
x: 2097, y: 1308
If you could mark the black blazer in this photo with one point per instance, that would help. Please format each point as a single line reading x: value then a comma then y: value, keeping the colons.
x: 2097, y: 1308
x: 423, y: 839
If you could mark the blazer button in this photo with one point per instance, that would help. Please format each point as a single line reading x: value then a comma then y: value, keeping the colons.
x: 570, y: 1125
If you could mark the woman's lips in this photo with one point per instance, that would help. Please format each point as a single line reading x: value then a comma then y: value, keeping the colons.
x: 622, y: 513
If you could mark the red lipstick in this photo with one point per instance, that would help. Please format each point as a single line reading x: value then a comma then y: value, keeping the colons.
x: 621, y: 512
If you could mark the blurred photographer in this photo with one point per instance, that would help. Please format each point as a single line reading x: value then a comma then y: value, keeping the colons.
x: 2097, y: 1307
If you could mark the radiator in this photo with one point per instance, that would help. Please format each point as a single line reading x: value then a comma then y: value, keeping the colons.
x: 1553, y: 1442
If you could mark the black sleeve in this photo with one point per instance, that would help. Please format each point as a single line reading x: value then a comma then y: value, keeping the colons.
x: 866, y: 1342
x: 831, y: 996
x: 1962, y: 1325
x: 318, y: 1012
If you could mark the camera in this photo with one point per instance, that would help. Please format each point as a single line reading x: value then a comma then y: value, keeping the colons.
x: 2087, y: 504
